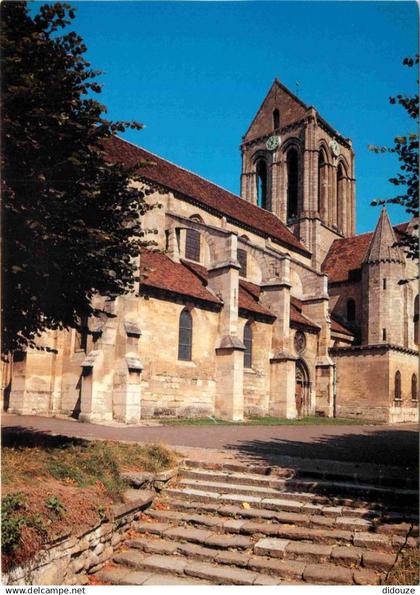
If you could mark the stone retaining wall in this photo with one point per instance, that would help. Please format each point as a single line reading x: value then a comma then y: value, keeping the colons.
x: 70, y: 558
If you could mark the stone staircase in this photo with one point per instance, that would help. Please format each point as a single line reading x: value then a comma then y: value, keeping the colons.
x: 231, y: 524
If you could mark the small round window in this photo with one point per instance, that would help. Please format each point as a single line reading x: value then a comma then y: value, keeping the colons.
x: 300, y: 342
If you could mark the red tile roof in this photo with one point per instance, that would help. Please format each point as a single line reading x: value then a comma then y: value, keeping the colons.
x: 190, y: 279
x: 202, y: 191
x: 252, y: 288
x: 174, y: 277
x: 198, y: 270
x: 347, y: 254
x: 248, y: 299
x: 299, y: 319
x: 338, y: 327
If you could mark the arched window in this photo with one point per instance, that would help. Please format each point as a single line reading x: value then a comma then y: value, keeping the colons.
x: 276, y: 119
x: 261, y: 170
x: 185, y: 336
x: 81, y: 335
x: 248, y: 345
x: 322, y: 177
x: 414, y: 392
x: 351, y: 310
x: 341, y: 197
x: 197, y: 218
x: 242, y: 261
x: 397, y: 386
x: 192, y: 245
x: 416, y: 320
x: 292, y: 183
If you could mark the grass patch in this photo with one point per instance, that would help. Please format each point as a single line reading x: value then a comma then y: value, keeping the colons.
x: 406, y: 570
x: 84, y: 464
x: 54, y: 485
x: 270, y: 421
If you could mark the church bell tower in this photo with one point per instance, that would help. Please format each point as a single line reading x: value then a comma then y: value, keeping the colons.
x: 297, y: 166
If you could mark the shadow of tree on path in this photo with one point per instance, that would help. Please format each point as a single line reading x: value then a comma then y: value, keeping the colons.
x: 352, y: 454
x: 393, y: 447
x: 24, y: 437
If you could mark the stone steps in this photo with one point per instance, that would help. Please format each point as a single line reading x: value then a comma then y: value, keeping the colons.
x: 315, y: 511
x: 238, y: 568
x: 242, y: 534
x: 308, y: 514
x: 225, y: 526
x: 309, y: 490
x: 315, y: 469
x: 123, y: 576
x: 308, y: 484
x: 184, y: 566
x: 219, y: 521
x: 185, y: 542
x: 280, y: 501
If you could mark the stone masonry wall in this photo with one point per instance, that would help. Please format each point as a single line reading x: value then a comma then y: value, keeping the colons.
x: 257, y: 378
x: 365, y: 384
x: 362, y: 385
x: 170, y: 387
x: 69, y: 559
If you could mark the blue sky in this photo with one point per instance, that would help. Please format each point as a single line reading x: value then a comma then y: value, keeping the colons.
x: 195, y: 73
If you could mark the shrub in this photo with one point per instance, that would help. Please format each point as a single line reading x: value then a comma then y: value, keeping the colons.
x: 54, y: 504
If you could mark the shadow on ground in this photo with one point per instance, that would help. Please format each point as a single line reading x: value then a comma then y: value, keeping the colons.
x: 396, y: 448
x: 21, y: 437
x: 387, y: 447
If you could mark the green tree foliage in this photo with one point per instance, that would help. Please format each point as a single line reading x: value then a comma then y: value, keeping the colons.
x: 71, y: 220
x: 406, y: 148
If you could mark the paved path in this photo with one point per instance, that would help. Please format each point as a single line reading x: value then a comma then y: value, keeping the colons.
x: 386, y: 445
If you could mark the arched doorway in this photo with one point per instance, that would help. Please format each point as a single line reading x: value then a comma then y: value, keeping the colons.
x: 302, y: 389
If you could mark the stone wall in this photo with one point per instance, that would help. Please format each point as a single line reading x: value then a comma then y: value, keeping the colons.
x: 407, y: 409
x: 339, y: 294
x: 69, y: 559
x: 170, y: 387
x: 365, y: 383
x: 257, y: 378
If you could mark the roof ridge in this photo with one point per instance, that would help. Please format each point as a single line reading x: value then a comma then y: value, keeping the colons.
x: 290, y: 92
x: 366, y: 233
x: 184, y: 169
x: 267, y: 222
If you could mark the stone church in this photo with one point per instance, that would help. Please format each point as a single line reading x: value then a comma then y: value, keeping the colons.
x: 264, y: 304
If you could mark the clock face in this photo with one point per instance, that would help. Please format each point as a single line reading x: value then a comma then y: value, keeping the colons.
x: 335, y: 148
x: 272, y: 143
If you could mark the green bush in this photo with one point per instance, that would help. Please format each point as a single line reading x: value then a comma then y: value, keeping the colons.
x: 54, y: 504
x: 13, y: 518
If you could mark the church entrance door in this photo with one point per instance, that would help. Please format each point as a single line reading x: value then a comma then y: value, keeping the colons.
x: 302, y: 389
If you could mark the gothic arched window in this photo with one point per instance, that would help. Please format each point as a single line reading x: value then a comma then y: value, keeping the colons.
x: 192, y: 245
x: 414, y: 392
x: 248, y: 345
x: 262, y: 178
x: 242, y: 259
x: 292, y: 183
x: 341, y: 197
x: 351, y: 310
x: 397, y: 386
x: 81, y: 335
x: 185, y: 336
x: 276, y: 119
x: 322, y: 178
x: 416, y: 320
